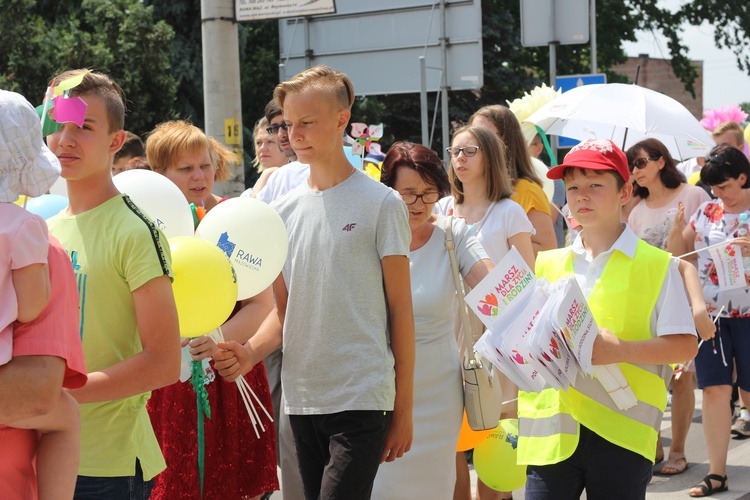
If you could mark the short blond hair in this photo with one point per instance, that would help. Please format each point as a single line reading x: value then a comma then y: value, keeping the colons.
x: 733, y: 127
x: 260, y: 127
x: 171, y: 139
x: 330, y: 81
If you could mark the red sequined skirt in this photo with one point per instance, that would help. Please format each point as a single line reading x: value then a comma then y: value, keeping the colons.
x: 238, y: 465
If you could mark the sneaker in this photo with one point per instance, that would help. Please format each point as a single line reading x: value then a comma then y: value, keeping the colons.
x: 741, y: 427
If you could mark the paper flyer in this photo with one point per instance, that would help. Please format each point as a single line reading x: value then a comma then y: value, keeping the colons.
x: 505, y: 288
x: 514, y: 342
x: 484, y: 347
x: 730, y: 269
x: 578, y: 326
x: 549, y: 353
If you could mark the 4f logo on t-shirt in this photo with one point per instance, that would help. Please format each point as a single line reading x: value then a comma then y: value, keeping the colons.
x: 349, y: 227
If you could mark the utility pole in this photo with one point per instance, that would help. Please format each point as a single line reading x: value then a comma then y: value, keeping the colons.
x: 592, y: 36
x: 445, y: 119
x: 221, y: 85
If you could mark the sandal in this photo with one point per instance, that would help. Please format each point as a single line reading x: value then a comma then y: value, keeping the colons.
x: 675, y: 457
x: 707, y: 487
x: 659, y: 457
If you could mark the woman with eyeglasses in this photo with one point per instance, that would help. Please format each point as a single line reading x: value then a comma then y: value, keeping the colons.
x: 664, y: 197
x: 429, y: 469
x: 481, y: 195
x: 727, y: 171
x: 527, y: 186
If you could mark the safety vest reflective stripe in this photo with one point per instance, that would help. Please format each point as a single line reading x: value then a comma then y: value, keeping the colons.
x: 562, y: 423
x: 664, y: 372
x: 642, y: 412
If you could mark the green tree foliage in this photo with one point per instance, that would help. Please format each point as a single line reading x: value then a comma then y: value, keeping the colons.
x: 153, y: 48
x: 259, y: 56
x: 39, y: 39
x: 732, y: 22
x: 186, y: 60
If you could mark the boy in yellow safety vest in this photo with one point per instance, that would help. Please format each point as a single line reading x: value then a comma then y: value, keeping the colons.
x: 579, y: 439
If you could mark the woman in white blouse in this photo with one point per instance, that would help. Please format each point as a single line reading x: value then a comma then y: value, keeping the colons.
x: 429, y: 469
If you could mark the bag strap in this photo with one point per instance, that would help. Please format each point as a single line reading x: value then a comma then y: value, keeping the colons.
x: 463, y: 311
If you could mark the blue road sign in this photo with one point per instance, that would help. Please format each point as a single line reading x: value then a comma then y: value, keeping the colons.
x: 566, y: 83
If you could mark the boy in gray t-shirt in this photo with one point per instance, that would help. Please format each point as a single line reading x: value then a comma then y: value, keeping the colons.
x: 343, y: 301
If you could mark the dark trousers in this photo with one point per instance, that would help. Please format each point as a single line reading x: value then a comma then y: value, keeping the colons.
x: 605, y: 470
x: 339, y: 454
x: 114, y: 488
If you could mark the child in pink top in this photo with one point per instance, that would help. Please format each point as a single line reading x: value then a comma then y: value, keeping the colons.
x: 28, y: 167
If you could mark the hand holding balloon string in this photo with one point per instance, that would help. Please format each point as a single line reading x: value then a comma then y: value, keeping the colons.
x: 246, y: 391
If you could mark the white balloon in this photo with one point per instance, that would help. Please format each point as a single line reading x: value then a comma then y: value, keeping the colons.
x: 160, y: 198
x: 254, y: 238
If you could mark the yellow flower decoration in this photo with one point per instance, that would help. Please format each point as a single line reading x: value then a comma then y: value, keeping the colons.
x: 528, y: 104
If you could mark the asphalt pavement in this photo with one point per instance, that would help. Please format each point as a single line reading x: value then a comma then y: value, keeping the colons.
x: 677, y: 486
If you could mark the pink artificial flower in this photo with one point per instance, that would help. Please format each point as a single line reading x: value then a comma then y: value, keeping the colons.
x: 715, y: 117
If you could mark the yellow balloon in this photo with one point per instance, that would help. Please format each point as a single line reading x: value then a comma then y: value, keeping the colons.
x: 21, y: 200
x: 747, y: 134
x: 694, y: 178
x: 373, y: 170
x: 204, y: 286
x: 495, y: 458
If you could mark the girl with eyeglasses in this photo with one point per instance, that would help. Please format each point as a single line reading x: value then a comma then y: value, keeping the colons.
x: 481, y: 195
x: 525, y: 180
x: 429, y: 469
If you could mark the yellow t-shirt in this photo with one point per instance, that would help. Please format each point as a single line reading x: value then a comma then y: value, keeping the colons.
x: 114, y: 249
x: 530, y: 196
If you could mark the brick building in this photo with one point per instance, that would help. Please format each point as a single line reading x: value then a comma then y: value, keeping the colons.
x: 657, y: 74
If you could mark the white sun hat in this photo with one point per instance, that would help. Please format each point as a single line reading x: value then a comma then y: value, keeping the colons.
x: 27, y: 166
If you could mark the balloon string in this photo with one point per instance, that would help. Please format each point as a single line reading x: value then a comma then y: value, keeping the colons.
x: 197, y: 380
x: 552, y: 159
x: 246, y: 393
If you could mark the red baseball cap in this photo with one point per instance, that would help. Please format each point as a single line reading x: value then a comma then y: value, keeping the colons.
x: 594, y: 154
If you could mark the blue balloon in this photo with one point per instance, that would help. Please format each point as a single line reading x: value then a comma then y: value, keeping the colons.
x: 47, y: 205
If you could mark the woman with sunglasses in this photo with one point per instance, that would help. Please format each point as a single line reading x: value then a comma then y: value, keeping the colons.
x: 482, y: 190
x: 727, y: 171
x: 664, y: 199
x: 661, y: 189
x: 429, y: 470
